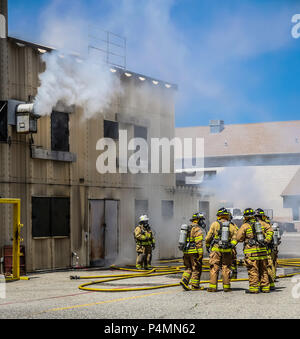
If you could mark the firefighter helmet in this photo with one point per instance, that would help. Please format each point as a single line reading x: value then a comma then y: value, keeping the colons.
x: 198, y: 216
x: 144, y: 219
x: 259, y: 212
x: 222, y: 211
x: 249, y: 212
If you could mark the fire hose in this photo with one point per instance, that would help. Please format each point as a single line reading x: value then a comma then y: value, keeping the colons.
x: 165, y: 270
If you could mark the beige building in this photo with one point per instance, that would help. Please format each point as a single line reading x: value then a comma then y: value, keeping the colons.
x: 251, y: 165
x: 71, y: 212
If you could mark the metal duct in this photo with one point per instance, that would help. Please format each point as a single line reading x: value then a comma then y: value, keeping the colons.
x: 25, y: 108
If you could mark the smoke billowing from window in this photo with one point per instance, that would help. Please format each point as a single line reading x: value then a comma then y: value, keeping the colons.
x: 71, y: 81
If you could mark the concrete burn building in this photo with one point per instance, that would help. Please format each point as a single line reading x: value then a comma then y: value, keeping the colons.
x: 264, y: 157
x: 68, y: 209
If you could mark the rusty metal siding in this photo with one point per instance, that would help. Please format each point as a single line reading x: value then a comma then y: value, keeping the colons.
x: 24, y: 177
x: 42, y: 255
x: 61, y: 253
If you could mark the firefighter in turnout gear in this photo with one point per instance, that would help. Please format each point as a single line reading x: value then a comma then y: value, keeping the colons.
x: 234, y: 265
x: 272, y: 250
x: 220, y: 240
x: 193, y: 254
x: 145, y: 243
x: 256, y: 235
x: 276, y: 241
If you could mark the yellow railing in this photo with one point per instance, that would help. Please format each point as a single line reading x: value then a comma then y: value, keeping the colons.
x: 16, y: 236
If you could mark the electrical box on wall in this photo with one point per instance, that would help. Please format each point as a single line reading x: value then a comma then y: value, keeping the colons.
x: 21, y: 115
x: 26, y: 123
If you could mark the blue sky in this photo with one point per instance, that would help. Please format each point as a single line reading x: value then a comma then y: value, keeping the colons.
x: 233, y: 60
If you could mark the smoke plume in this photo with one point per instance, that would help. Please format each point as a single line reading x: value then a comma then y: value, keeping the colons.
x: 73, y: 81
x: 240, y: 187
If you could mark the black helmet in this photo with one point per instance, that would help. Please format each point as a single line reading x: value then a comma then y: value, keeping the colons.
x: 198, y: 216
x: 259, y: 212
x: 249, y: 212
x: 222, y: 211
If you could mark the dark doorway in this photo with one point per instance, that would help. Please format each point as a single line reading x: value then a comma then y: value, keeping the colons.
x: 104, y: 231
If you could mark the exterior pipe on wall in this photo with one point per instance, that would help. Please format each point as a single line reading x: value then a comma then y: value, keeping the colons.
x: 25, y: 108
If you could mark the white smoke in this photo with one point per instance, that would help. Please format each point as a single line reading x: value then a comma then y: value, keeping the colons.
x: 204, y: 61
x: 71, y: 81
x: 239, y: 187
x: 72, y: 76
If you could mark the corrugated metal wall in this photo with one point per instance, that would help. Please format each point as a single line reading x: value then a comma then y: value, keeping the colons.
x: 24, y: 177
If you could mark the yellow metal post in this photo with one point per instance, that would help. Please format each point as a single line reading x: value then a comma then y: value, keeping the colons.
x: 16, y: 236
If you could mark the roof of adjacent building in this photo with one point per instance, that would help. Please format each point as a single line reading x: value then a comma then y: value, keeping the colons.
x: 247, y: 139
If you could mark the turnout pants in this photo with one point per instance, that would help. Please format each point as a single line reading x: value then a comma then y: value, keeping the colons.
x: 258, y: 274
x: 234, y: 263
x: 193, y: 269
x: 220, y: 261
x: 144, y: 258
x: 272, y: 263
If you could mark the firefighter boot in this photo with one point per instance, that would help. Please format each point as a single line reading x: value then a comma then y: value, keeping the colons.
x: 265, y: 289
x: 212, y: 288
x: 197, y: 288
x: 185, y: 281
x: 252, y: 291
x: 184, y: 285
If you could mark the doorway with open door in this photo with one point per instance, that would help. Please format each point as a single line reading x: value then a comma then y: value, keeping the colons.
x: 103, y: 231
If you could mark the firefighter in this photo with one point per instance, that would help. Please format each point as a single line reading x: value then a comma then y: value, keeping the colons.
x: 276, y: 241
x: 145, y: 243
x: 272, y: 249
x: 256, y: 235
x: 220, y: 240
x: 234, y: 269
x: 193, y: 254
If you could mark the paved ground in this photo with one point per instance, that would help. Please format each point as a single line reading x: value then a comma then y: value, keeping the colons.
x: 54, y: 295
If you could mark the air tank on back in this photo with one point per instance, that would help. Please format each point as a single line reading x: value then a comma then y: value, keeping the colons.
x: 183, y: 236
